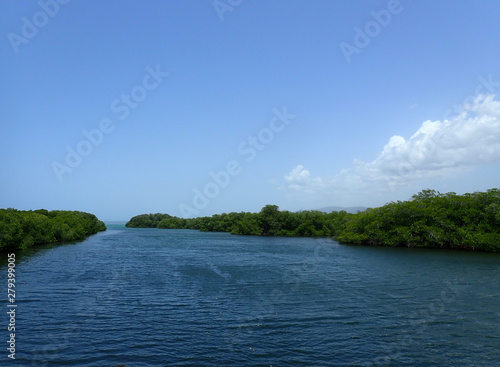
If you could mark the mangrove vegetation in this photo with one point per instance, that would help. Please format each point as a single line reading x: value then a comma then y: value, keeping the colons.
x: 430, y: 219
x: 20, y: 229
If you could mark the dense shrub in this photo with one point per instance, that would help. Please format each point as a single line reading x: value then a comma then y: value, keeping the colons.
x: 429, y: 219
x: 20, y: 229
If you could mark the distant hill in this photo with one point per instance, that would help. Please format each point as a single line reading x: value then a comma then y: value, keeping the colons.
x: 351, y: 209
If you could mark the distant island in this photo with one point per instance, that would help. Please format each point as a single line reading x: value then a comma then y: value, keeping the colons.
x: 430, y: 219
x: 20, y: 229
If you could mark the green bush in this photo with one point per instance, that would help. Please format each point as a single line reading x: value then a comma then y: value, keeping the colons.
x: 20, y: 229
x: 429, y: 219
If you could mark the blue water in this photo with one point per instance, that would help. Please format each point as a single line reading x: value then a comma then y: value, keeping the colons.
x: 149, y: 297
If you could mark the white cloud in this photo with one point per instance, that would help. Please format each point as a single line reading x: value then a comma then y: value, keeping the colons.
x: 438, y: 149
x: 300, y: 179
x: 298, y: 175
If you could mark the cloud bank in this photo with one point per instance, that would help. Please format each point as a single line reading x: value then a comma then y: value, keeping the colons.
x: 439, y: 149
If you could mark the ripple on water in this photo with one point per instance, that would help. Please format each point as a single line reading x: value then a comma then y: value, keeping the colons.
x: 185, y: 298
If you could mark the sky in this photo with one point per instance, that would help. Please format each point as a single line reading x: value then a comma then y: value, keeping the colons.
x: 194, y: 108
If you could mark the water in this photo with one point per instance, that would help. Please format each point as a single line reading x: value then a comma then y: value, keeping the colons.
x: 148, y: 297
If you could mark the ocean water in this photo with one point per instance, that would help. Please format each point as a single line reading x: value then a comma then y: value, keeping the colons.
x: 149, y: 297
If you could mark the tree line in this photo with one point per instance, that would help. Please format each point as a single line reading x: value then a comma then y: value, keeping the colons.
x: 20, y: 229
x: 429, y: 219
x: 269, y: 221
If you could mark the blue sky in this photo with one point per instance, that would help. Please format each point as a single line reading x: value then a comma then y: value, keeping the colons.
x: 199, y: 107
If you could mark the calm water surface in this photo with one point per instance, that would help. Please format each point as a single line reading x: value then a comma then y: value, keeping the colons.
x: 148, y: 297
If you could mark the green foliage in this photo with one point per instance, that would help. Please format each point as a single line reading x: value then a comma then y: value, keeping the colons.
x: 248, y: 225
x: 21, y: 229
x: 172, y: 223
x: 431, y: 219
x: 147, y: 220
x: 270, y: 221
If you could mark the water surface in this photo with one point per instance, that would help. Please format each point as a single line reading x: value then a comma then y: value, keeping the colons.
x: 149, y: 297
